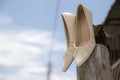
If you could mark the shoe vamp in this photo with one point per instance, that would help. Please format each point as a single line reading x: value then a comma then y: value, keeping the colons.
x: 69, y: 52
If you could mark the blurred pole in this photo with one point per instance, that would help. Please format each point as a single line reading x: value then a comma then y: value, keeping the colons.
x: 49, y: 70
x: 52, y: 41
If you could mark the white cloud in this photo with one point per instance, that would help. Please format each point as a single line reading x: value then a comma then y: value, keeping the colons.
x: 16, y: 51
x: 5, y: 60
x: 25, y: 44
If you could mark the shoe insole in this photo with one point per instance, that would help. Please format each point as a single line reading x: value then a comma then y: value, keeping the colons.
x: 82, y: 31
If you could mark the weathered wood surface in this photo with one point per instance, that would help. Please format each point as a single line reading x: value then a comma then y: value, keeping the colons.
x: 116, y: 70
x: 97, y: 67
x: 114, y: 47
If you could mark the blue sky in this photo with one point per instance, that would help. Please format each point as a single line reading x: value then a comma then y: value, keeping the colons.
x: 26, y: 34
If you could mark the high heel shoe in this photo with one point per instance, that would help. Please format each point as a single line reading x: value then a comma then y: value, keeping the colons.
x: 69, y: 27
x: 84, y: 35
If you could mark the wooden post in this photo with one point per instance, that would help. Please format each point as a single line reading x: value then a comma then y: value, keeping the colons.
x: 97, y: 67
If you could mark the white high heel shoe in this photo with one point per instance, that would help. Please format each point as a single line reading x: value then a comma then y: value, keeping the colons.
x: 69, y: 27
x: 84, y: 35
